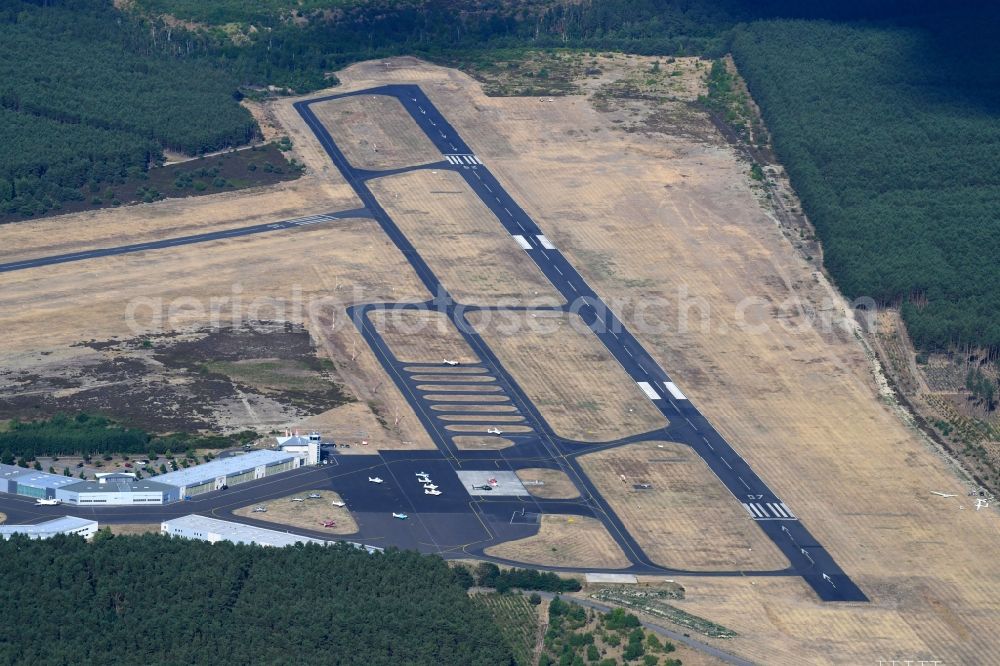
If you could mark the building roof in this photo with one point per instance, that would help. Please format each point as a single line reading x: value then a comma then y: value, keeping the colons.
x: 225, y: 530
x: 32, y: 477
x: 193, y: 476
x: 119, y: 486
x: 54, y: 526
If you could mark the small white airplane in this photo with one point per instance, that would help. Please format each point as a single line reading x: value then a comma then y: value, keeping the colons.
x: 422, y: 474
x: 47, y: 502
x: 374, y: 479
x: 934, y: 492
x: 314, y: 496
x: 450, y: 362
x: 298, y: 499
x: 260, y: 509
x: 430, y: 486
x: 423, y: 479
x: 340, y: 504
x: 401, y: 516
x: 431, y: 491
x: 494, y: 431
x: 328, y: 523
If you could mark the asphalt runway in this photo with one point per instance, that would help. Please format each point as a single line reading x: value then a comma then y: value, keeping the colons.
x: 455, y: 523
x: 182, y: 240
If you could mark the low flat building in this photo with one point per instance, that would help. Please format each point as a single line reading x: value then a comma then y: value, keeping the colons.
x: 50, y: 528
x: 229, y: 471
x: 214, y: 530
x: 31, y: 482
x: 117, y: 489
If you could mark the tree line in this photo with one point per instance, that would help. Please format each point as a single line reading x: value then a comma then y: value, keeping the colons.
x: 889, y: 136
x: 88, y: 435
x: 152, y: 599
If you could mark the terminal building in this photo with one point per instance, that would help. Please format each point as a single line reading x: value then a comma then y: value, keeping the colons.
x: 230, y: 471
x: 50, y: 528
x: 117, y: 489
x: 32, y: 483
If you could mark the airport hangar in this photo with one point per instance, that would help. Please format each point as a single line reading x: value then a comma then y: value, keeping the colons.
x: 119, y: 488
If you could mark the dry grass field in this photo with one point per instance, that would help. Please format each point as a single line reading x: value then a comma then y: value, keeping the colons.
x: 422, y: 336
x: 688, y: 519
x: 671, y: 220
x: 376, y: 132
x: 580, y: 389
x: 308, y: 515
x: 479, y: 428
x: 565, y: 541
x: 484, y: 443
x: 176, y: 289
x: 555, y: 484
x: 461, y: 240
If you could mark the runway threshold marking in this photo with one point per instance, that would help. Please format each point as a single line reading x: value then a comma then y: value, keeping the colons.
x: 647, y: 388
x: 545, y: 242
x: 768, y: 511
x: 462, y: 158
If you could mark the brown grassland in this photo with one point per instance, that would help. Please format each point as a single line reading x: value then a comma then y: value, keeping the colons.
x: 375, y: 132
x: 422, y: 336
x: 460, y: 239
x: 688, y: 519
x: 483, y: 443
x: 309, y: 514
x: 555, y: 483
x: 577, y: 385
x: 576, y: 541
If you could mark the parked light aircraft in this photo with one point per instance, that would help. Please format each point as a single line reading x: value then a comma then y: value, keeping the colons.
x: 494, y: 431
x: 314, y: 496
x: 485, y: 486
x: 336, y: 503
x: 401, y: 516
x: 430, y: 486
x: 429, y: 491
x: 47, y: 502
x: 260, y: 509
x: 450, y: 362
x: 934, y: 492
x: 328, y: 523
x: 374, y: 479
x: 298, y: 499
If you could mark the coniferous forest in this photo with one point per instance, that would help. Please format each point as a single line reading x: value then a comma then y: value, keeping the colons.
x: 155, y: 600
x: 890, y: 136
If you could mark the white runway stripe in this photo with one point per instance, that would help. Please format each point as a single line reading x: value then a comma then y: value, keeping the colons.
x: 523, y: 242
x: 647, y: 388
x: 545, y: 242
x: 787, y: 510
x: 674, y: 391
